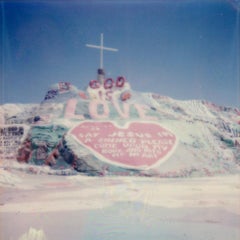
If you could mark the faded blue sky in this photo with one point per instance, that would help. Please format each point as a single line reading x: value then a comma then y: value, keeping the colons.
x: 185, y: 49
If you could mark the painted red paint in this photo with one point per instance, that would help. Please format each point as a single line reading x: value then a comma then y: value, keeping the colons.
x: 136, y: 145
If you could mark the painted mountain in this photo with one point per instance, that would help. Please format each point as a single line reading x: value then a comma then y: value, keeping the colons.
x: 111, y: 129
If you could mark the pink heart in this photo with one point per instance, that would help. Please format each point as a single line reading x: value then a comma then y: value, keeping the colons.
x: 137, y: 145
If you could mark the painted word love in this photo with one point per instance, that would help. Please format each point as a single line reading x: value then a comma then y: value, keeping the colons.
x: 138, y: 145
x: 99, y: 109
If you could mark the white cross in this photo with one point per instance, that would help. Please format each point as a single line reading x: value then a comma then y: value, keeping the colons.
x: 101, y: 47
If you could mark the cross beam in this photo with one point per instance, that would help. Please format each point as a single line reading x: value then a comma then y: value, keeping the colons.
x: 101, y: 47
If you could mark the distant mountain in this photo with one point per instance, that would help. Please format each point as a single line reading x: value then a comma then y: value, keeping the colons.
x: 111, y: 129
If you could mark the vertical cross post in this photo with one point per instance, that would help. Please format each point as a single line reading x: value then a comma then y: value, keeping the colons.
x: 101, y: 52
x: 102, y: 48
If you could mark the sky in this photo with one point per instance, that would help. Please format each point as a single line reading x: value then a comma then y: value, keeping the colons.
x: 184, y: 49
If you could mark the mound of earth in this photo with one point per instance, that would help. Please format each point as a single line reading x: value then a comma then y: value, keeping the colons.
x: 117, y: 131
